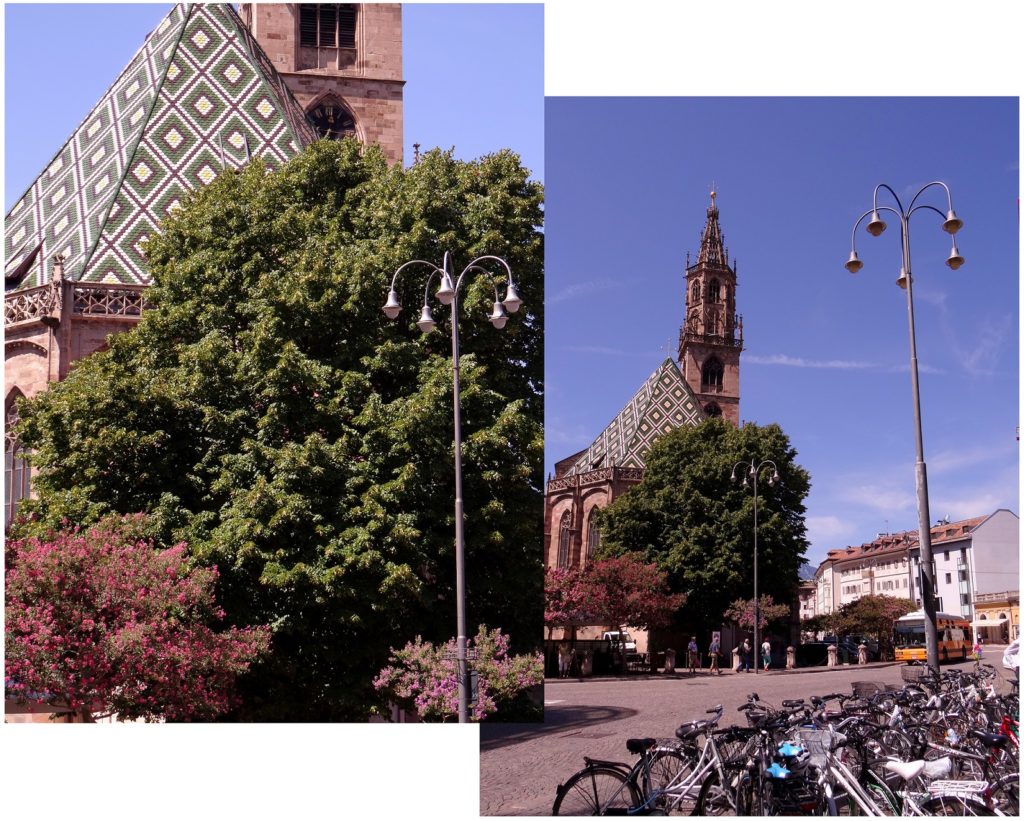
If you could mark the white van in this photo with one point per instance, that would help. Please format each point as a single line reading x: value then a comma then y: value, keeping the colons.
x: 620, y: 640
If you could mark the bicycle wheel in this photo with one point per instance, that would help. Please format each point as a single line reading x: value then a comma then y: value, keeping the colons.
x: 954, y: 805
x: 714, y: 799
x: 1006, y: 794
x: 667, y: 770
x: 596, y: 791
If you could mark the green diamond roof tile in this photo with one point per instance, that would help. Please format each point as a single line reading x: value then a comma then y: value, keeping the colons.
x: 199, y: 96
x: 662, y: 403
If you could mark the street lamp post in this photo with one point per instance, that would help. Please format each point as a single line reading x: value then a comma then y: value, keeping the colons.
x: 751, y: 472
x: 951, y: 224
x: 448, y: 294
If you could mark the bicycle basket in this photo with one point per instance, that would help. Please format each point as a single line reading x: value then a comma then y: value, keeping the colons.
x: 755, y: 718
x: 866, y: 689
x: 914, y: 672
x: 734, y: 745
x: 817, y: 741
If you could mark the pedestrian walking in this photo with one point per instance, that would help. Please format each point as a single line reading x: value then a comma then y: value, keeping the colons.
x: 744, y: 651
x: 691, y: 653
x: 766, y: 654
x: 713, y: 650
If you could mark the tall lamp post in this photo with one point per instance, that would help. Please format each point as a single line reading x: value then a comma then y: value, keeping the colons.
x: 448, y: 294
x: 951, y: 224
x: 750, y: 473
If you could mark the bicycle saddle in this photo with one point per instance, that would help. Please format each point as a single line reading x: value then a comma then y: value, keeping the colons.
x: 905, y: 769
x: 990, y: 739
x: 793, y: 702
x: 638, y: 745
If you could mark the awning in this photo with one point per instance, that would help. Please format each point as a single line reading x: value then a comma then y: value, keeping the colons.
x: 988, y: 623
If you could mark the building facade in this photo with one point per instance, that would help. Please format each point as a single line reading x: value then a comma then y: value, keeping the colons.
x: 343, y: 63
x: 704, y: 383
x: 201, y: 95
x: 976, y: 571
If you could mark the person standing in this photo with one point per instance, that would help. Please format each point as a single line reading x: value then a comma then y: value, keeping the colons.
x: 766, y: 654
x: 691, y: 654
x: 564, y: 659
x: 713, y: 650
x: 744, y: 656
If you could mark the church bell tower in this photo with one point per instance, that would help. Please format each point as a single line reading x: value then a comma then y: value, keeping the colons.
x: 711, y: 338
x: 343, y: 63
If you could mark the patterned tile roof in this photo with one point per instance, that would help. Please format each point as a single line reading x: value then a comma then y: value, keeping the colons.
x: 199, y: 96
x: 664, y: 402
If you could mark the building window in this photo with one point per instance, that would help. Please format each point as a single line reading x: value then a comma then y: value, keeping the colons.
x: 945, y: 555
x: 963, y: 575
x: 593, y: 533
x: 328, y: 25
x: 712, y: 409
x: 713, y: 291
x: 695, y: 292
x: 711, y: 375
x: 16, y: 470
x: 563, y: 540
x: 949, y: 578
x: 965, y: 599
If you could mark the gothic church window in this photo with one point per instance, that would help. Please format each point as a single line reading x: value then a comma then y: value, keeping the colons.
x: 593, y: 533
x: 713, y: 290
x: 711, y: 375
x: 695, y: 292
x: 712, y: 409
x: 16, y: 470
x: 563, y: 540
x: 328, y: 25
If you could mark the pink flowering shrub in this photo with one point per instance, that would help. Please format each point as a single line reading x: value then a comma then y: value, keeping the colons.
x: 102, y: 622
x: 425, y: 678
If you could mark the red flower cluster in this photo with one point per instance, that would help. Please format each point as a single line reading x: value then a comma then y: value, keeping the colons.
x: 102, y: 623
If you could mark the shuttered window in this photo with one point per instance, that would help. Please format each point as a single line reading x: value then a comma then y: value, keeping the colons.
x: 328, y: 25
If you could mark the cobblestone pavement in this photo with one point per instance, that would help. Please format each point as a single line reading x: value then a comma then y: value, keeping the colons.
x: 522, y: 765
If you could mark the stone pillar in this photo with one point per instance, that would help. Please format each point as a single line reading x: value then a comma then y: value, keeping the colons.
x: 790, y: 658
x: 670, y: 660
x: 833, y: 651
x: 587, y: 663
x: 735, y: 659
x: 862, y: 654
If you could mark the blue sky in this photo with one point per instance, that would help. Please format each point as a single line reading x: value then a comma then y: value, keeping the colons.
x: 826, y: 353
x: 453, y: 60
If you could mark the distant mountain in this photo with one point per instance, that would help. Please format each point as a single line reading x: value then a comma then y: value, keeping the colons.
x: 806, y: 571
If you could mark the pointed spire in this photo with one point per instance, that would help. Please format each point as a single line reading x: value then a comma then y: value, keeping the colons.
x: 712, y: 247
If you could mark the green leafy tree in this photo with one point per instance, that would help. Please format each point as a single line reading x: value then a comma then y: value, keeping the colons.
x: 870, y: 616
x: 266, y: 413
x: 697, y: 525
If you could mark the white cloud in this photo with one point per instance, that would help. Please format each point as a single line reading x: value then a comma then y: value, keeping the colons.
x: 827, y: 529
x: 885, y: 497
x: 579, y: 289
x: 948, y: 461
x: 834, y: 364
x: 800, y: 362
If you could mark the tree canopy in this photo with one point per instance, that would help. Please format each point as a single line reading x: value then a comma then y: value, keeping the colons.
x: 869, y: 616
x: 689, y: 518
x: 617, y: 592
x: 267, y: 413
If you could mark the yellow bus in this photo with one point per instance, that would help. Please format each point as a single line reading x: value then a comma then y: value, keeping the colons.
x: 954, y: 634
